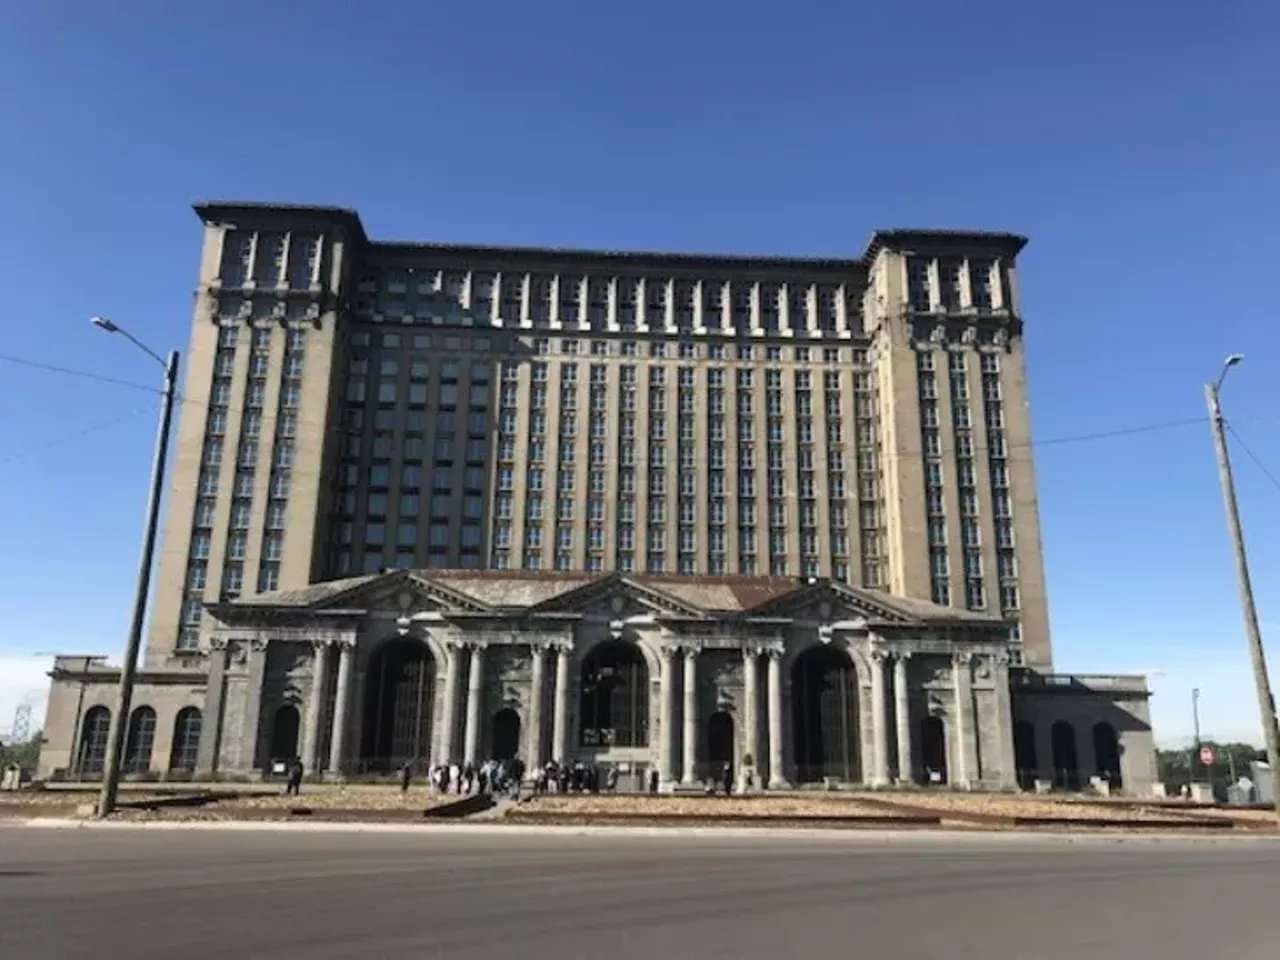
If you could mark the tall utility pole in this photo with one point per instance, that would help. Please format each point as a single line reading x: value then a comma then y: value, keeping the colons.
x: 1196, y: 762
x: 1266, y: 703
x: 129, y: 665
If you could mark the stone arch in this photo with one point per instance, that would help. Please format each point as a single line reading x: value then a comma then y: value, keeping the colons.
x: 506, y: 734
x: 933, y: 750
x: 185, y: 746
x: 825, y: 713
x: 95, y: 731
x: 286, y: 729
x: 398, y: 704
x: 613, y: 696
x: 1106, y: 753
x: 1066, y: 756
x: 140, y: 740
x: 652, y: 657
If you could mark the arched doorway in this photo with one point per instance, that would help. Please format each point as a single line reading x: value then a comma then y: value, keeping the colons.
x: 506, y: 734
x: 1066, y: 762
x: 186, y: 739
x: 140, y: 740
x: 824, y: 711
x: 1024, y: 754
x: 284, y: 732
x: 1106, y: 752
x: 719, y: 744
x: 94, y: 732
x: 398, y: 703
x: 614, y: 704
x: 933, y: 749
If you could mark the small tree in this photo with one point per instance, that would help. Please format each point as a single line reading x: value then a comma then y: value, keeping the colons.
x: 25, y: 755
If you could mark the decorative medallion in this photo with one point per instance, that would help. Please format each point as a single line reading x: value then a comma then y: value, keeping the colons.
x: 404, y: 600
x: 617, y: 603
x: 824, y: 610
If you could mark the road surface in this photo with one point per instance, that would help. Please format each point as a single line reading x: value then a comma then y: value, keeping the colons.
x: 318, y: 895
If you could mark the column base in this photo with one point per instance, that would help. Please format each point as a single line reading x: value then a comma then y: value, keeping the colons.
x: 778, y: 783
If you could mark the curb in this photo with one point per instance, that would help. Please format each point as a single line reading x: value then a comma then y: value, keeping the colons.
x: 727, y: 833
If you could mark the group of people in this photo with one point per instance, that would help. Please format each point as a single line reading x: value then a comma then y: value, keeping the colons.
x: 506, y: 777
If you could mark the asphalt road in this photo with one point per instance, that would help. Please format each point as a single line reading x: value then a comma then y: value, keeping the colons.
x: 67, y: 894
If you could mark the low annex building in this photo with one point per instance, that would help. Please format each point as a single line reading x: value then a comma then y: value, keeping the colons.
x: 789, y: 682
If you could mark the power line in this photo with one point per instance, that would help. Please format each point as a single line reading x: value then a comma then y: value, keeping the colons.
x: 73, y: 372
x: 1254, y: 457
x: 886, y: 456
x: 95, y: 428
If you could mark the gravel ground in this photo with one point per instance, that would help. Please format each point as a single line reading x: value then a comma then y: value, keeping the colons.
x: 702, y: 807
x: 1003, y: 805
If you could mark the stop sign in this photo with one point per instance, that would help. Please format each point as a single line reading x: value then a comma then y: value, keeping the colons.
x: 1206, y: 756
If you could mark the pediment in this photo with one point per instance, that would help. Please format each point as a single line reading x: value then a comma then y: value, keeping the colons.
x: 831, y: 602
x: 617, y: 598
x: 404, y: 593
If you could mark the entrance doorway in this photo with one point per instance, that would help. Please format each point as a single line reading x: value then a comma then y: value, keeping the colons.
x: 933, y: 749
x: 284, y: 733
x: 506, y: 735
x: 719, y: 744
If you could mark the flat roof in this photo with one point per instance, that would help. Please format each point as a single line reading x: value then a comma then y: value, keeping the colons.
x: 1009, y: 243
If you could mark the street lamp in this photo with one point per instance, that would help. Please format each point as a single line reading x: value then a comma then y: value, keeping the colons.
x: 129, y: 666
x: 1266, y: 703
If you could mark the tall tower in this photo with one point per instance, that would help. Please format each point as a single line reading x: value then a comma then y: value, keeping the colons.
x: 961, y: 511
x: 256, y: 428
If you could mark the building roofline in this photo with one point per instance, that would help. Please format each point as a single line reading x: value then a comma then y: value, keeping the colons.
x: 1010, y: 243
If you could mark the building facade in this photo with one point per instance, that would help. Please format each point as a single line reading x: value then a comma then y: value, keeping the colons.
x: 509, y: 416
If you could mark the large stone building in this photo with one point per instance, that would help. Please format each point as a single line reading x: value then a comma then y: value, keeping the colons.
x: 443, y: 502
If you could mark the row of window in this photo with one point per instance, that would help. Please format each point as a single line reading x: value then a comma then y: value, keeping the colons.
x: 601, y: 302
x: 951, y: 284
x: 270, y: 259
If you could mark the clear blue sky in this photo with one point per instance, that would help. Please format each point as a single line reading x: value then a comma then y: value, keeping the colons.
x: 1135, y: 143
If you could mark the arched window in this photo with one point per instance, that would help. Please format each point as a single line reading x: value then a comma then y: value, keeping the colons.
x: 1106, y: 752
x: 94, y: 732
x: 824, y: 714
x: 399, y: 700
x: 141, y: 738
x: 1024, y: 753
x: 1066, y: 762
x: 615, y: 696
x: 186, y: 739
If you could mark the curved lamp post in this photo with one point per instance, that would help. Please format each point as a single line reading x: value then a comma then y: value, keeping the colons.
x: 129, y: 666
x: 1266, y: 703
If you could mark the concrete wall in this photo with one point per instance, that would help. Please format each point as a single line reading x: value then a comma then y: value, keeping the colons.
x: 1084, y: 702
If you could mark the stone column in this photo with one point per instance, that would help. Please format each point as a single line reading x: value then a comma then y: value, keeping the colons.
x: 667, y: 721
x: 1004, y: 717
x: 449, y: 711
x: 337, y: 740
x: 751, y: 711
x: 879, y: 721
x: 475, y: 694
x: 776, y: 780
x: 533, y: 753
x: 315, y: 707
x: 961, y: 723
x: 251, y: 743
x: 902, y: 716
x: 215, y: 692
x: 560, y: 713
x: 689, y: 754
